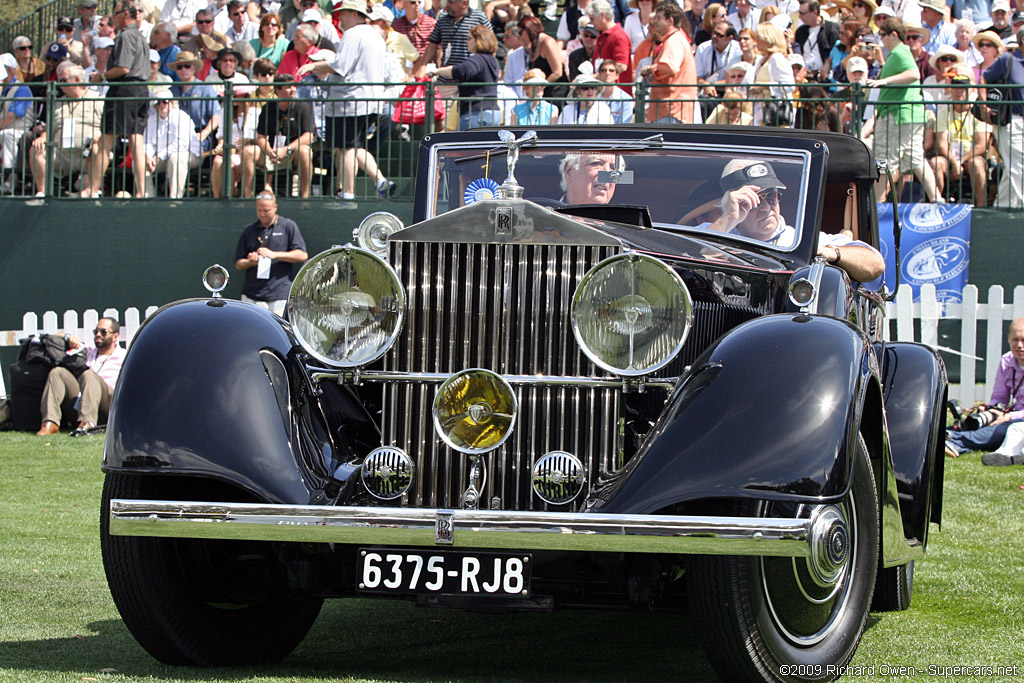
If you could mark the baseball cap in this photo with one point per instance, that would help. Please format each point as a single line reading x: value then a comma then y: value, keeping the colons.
x: 796, y: 59
x: 998, y: 5
x: 154, y: 56
x: 88, y: 4
x: 63, y: 22
x: 856, y: 65
x: 1018, y: 17
x: 56, y: 51
x: 760, y: 174
x: 100, y: 42
x: 382, y: 13
x: 311, y: 15
x: 591, y: 31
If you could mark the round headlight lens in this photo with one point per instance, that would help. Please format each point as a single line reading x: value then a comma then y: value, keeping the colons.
x: 346, y: 306
x: 631, y: 314
x: 215, y: 278
x: 474, y: 411
x: 372, y: 233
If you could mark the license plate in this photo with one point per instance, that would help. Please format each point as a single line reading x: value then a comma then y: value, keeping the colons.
x: 449, y: 573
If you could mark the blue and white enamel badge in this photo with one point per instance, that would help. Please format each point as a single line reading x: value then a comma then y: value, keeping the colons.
x: 481, y: 188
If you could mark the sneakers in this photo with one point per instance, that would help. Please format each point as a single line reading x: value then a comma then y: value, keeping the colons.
x: 345, y: 196
x: 386, y: 188
x: 1000, y: 460
x: 951, y: 451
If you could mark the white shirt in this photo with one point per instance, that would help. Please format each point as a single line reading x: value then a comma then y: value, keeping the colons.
x: 620, y: 104
x: 213, y: 78
x: 175, y: 134
x: 740, y: 23
x: 811, y: 54
x: 711, y: 64
x: 181, y: 12
x: 597, y: 113
x: 250, y: 31
x: 515, y: 68
x: 359, y: 59
x: 636, y: 31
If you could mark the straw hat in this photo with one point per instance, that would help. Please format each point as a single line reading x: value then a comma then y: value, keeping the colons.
x: 991, y: 37
x: 354, y: 5
x: 588, y: 79
x: 937, y: 5
x: 213, y: 41
x: 945, y: 51
x: 186, y: 57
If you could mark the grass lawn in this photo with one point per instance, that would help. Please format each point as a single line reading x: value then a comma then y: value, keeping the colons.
x: 58, y: 623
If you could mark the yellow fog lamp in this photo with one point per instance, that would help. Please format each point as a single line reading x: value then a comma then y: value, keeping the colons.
x: 346, y: 306
x: 631, y: 314
x: 475, y: 411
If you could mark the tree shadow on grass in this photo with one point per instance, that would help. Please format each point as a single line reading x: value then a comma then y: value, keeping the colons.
x: 388, y: 641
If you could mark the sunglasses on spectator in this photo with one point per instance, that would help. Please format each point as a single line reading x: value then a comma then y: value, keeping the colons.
x: 720, y: 35
x: 913, y: 36
x: 179, y: 67
x: 24, y: 47
x: 859, y: 4
x: 272, y: 23
x: 772, y: 196
x: 588, y: 87
x: 986, y: 44
x: 237, y: 14
x: 204, y: 21
x: 946, y: 58
x: 102, y: 333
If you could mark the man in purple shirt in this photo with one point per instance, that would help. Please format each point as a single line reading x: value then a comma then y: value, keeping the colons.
x: 1008, y: 391
x: 95, y: 384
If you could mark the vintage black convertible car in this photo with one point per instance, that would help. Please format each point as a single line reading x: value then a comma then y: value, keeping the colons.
x: 578, y: 388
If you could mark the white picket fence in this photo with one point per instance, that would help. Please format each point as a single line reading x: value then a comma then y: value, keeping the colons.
x: 977, y: 318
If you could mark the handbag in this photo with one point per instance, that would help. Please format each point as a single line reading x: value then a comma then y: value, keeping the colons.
x: 412, y: 105
x: 778, y: 113
x: 998, y: 114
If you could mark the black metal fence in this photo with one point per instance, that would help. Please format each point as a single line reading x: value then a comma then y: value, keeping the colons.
x: 947, y: 153
x: 41, y: 25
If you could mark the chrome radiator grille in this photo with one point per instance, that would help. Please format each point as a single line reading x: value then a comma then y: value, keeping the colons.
x: 504, y: 308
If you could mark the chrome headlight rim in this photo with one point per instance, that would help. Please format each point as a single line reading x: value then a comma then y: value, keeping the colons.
x: 687, y: 315
x: 363, y: 233
x: 312, y: 263
x: 215, y: 279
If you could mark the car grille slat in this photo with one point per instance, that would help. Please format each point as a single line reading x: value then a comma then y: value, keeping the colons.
x: 506, y: 308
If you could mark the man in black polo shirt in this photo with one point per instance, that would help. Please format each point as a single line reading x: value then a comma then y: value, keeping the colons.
x: 266, y: 251
x: 127, y: 68
x: 284, y: 134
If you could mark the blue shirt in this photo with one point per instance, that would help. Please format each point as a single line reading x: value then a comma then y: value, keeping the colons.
x: 200, y: 110
x: 167, y: 56
x: 22, y: 99
x: 1014, y: 63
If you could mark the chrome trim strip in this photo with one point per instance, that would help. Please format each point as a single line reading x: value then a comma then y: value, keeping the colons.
x: 537, y: 380
x: 470, y: 528
x: 814, y: 276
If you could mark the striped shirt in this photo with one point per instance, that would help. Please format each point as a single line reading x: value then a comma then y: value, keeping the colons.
x: 451, y: 35
x: 107, y: 367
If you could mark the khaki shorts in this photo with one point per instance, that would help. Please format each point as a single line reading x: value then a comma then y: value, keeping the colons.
x: 900, y: 144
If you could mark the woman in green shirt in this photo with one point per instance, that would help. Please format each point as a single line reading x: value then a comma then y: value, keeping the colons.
x: 271, y: 43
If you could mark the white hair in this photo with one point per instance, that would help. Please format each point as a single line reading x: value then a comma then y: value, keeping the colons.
x: 602, y: 7
x: 308, y: 32
x: 575, y: 160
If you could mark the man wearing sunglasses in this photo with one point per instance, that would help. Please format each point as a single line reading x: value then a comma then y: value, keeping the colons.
x: 91, y: 390
x: 752, y: 207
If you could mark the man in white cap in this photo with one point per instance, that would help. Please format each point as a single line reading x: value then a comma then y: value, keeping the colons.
x: 359, y: 62
x: 171, y: 145
x: 1000, y: 13
x: 311, y: 14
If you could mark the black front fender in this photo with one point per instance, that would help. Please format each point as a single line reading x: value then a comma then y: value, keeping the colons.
x: 205, y: 391
x: 769, y: 411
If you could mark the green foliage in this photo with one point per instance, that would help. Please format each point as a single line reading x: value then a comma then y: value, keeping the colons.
x: 58, y: 622
x: 12, y: 10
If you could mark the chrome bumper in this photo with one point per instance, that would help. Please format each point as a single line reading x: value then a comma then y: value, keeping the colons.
x: 468, y: 528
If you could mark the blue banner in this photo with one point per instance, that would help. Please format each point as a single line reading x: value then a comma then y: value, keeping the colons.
x: 934, y: 248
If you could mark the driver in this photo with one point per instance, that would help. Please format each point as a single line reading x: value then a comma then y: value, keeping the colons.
x: 579, y: 177
x: 751, y: 206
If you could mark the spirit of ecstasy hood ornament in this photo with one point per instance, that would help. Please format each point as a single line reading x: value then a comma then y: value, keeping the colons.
x: 511, y: 188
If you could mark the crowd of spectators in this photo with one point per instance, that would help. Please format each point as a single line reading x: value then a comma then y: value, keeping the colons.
x: 338, y: 70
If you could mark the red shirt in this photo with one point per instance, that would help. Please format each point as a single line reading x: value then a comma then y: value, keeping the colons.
x: 418, y: 33
x: 292, y: 60
x: 614, y: 44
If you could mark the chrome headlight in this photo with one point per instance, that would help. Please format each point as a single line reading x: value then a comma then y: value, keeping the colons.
x: 215, y: 279
x: 475, y: 411
x: 372, y: 233
x: 631, y: 314
x: 346, y: 306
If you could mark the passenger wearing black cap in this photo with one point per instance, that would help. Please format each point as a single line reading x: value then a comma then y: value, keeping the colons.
x: 752, y: 207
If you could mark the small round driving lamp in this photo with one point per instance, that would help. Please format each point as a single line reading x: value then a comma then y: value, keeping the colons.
x: 215, y: 279
x: 372, y: 233
x: 475, y: 411
x: 346, y: 307
x: 631, y: 314
x: 801, y: 292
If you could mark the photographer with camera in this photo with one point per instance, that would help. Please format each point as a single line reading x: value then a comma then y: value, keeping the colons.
x: 990, y: 425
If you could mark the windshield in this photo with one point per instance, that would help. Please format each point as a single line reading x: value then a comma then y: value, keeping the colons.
x: 753, y: 194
